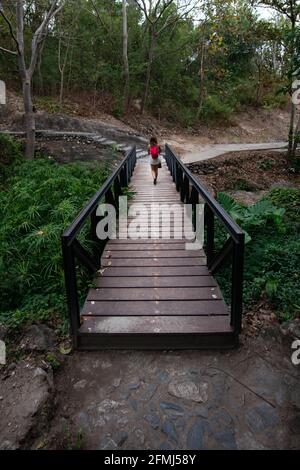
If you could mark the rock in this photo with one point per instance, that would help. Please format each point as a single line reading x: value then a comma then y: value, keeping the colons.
x: 133, y: 403
x: 38, y: 338
x: 221, y: 434
x: 291, y: 328
x: 116, y: 382
x: 121, y: 438
x: 134, y: 386
x: 189, y: 390
x: 195, y: 437
x: 165, y: 446
x: 11, y: 367
x: 169, y: 430
x: 261, y: 417
x: 294, y: 424
x: 163, y: 376
x: 108, y: 444
x: 3, y: 332
x: 140, y: 436
x: 83, y: 420
x: 41, y: 375
x: 247, y: 442
x: 108, y: 405
x: 8, y: 445
x: 27, y: 403
x: 171, y: 406
x: 153, y: 420
x: 149, y: 392
x: 106, y: 364
x: 80, y: 385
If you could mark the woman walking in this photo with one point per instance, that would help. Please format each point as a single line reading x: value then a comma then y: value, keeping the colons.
x: 154, y: 150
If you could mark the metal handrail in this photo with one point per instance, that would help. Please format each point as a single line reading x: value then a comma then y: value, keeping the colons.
x: 73, y: 251
x: 183, y: 179
x: 71, y: 232
x: 232, y: 227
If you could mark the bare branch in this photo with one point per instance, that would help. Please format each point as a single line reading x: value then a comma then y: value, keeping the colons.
x: 143, y: 8
x: 101, y: 21
x: 9, y: 25
x: 41, y: 31
x: 7, y: 50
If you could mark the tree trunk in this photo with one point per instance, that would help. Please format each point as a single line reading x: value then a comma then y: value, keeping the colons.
x: 61, y: 92
x: 29, y: 119
x: 291, y: 153
x: 296, y: 138
x: 291, y: 131
x: 201, y: 80
x: 125, y: 56
x: 149, y: 69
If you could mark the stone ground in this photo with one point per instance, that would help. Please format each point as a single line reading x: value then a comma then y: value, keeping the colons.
x: 243, y: 399
x: 248, y: 398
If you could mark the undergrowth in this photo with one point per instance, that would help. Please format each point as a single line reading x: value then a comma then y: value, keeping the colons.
x: 39, y: 199
x: 272, y: 251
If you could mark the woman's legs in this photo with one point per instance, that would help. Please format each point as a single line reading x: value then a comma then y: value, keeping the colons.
x: 154, y: 171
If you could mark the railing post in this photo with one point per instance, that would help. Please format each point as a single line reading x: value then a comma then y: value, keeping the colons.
x: 117, y: 192
x: 126, y: 171
x: 173, y: 169
x: 186, y: 186
x: 97, y: 245
x: 109, y: 198
x: 167, y: 156
x: 134, y: 158
x: 237, y: 284
x: 209, y: 222
x: 194, y: 202
x: 175, y: 174
x: 71, y: 289
x: 182, y: 186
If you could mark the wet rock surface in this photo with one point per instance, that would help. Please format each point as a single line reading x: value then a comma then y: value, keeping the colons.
x: 38, y: 338
x: 242, y: 399
x: 26, y: 404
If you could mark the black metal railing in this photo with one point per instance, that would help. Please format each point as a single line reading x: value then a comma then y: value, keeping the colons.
x: 190, y: 192
x: 74, y: 252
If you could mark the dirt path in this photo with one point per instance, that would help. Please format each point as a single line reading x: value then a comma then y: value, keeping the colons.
x: 195, y: 151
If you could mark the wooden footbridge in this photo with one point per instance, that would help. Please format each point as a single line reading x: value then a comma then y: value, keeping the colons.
x: 153, y: 293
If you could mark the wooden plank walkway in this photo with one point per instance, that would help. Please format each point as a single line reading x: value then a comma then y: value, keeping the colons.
x: 153, y: 293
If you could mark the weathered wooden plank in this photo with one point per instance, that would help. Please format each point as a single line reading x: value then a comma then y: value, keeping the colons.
x: 153, y: 247
x: 157, y: 325
x: 128, y: 262
x: 155, y: 293
x: 148, y: 241
x: 150, y: 254
x: 156, y: 342
x: 166, y: 281
x: 157, y: 271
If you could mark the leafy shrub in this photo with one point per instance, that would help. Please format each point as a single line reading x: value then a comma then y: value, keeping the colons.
x: 275, y: 100
x: 216, y: 109
x: 289, y: 199
x: 242, y: 184
x: 267, y: 164
x: 259, y: 214
x: 10, y: 153
x: 272, y: 252
x: 39, y: 202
